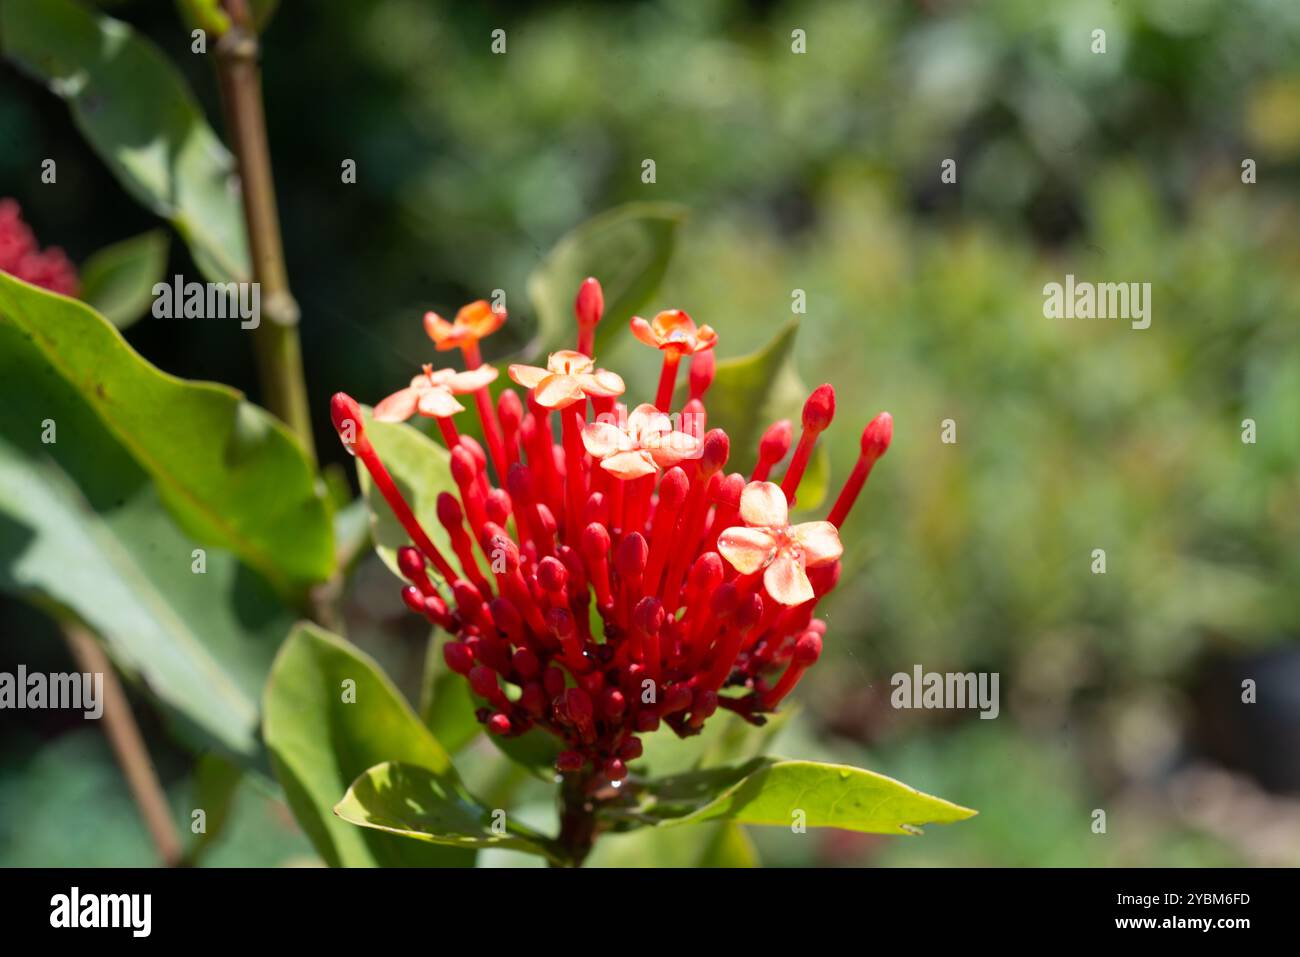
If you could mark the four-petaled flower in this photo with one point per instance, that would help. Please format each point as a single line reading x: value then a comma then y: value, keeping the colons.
x: 772, y: 543
x: 433, y: 394
x: 674, y: 331
x: 476, y: 321
x: 569, y: 377
x: 645, y: 444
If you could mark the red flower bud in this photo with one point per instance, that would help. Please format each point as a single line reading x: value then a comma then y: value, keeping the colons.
x: 589, y: 305
x: 567, y: 762
x: 499, y: 724
x: 877, y: 436
x: 458, y: 658
x: 819, y: 409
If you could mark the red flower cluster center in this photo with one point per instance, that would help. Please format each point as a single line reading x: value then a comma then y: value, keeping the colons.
x: 618, y: 579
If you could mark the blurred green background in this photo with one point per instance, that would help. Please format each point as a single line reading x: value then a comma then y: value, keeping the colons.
x: 821, y: 172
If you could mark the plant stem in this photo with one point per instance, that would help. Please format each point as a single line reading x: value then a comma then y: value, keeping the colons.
x: 276, y: 342
x: 128, y: 746
x: 577, y: 818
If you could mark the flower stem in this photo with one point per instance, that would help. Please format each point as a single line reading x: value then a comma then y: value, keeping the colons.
x: 577, y: 818
x: 276, y: 342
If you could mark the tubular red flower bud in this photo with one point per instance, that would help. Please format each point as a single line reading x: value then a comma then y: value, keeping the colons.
x: 676, y: 698
x: 717, y: 447
x: 569, y: 762
x: 631, y: 556
x: 875, y: 442
x: 703, y: 368
x: 772, y: 448
x: 806, y: 652
x: 346, y: 416
x: 589, y: 306
x: 499, y: 724
x: 533, y: 699
x: 498, y: 506
x: 525, y: 663
x: 413, y: 599
x: 595, y: 551
x: 507, y: 619
x: 457, y: 657
x: 615, y: 769
x: 553, y: 681
x: 819, y: 410
x: 612, y: 704
x: 703, y: 707
x: 551, y: 574
x: 817, y: 414
x: 647, y: 722
x: 631, y: 749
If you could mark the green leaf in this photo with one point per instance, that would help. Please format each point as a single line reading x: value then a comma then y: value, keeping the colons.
x: 772, y: 790
x: 418, y: 802
x: 320, y: 743
x: 422, y: 469
x: 82, y: 530
x: 627, y: 248
x: 136, y: 111
x: 712, y: 845
x: 215, y: 782
x: 230, y: 473
x: 751, y: 392
x: 117, y: 282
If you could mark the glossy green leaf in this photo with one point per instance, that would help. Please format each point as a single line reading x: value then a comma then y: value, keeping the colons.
x: 712, y: 845
x: 421, y: 468
x: 773, y: 791
x: 725, y: 739
x: 230, y: 473
x: 751, y: 392
x: 82, y: 530
x: 420, y: 803
x: 136, y: 111
x: 330, y: 713
x: 627, y: 248
x: 216, y: 781
x: 118, y: 280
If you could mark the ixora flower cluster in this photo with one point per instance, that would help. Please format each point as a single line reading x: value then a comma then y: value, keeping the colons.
x: 22, y: 256
x: 704, y: 593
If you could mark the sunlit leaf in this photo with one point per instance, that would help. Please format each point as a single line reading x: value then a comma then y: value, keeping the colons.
x: 230, y: 473
x: 330, y: 714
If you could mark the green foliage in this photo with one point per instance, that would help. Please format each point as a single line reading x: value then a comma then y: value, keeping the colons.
x: 330, y: 714
x: 135, y: 110
x: 229, y: 473
x: 117, y: 282
x: 626, y: 248
x: 774, y: 791
x: 432, y: 807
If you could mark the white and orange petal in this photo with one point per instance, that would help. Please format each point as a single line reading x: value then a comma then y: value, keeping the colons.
x: 439, y: 403
x: 470, y: 380
x: 644, y: 332
x: 603, y: 439
x: 399, y: 406
x: 746, y: 549
x: 764, y: 504
x: 530, y: 377
x: 786, y: 580
x: 601, y: 383
x: 568, y: 362
x: 632, y: 464
x: 558, y: 391
x: 819, y: 541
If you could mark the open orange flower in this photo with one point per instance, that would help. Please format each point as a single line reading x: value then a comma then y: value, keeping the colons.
x: 674, y: 331
x: 642, y: 446
x: 569, y: 377
x: 433, y: 394
x: 770, y: 542
x: 476, y: 321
